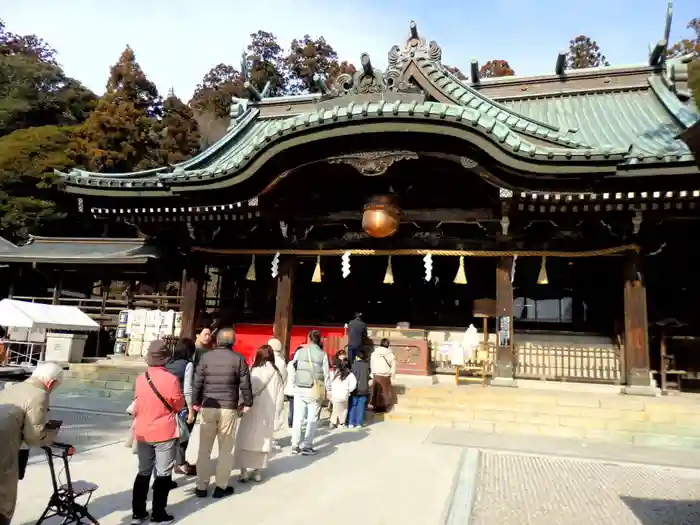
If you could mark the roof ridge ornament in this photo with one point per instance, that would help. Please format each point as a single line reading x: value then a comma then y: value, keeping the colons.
x: 363, y: 81
x: 415, y: 48
x: 370, y: 80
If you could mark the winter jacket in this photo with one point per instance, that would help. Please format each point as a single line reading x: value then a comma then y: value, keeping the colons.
x: 23, y: 416
x: 361, y: 371
x: 357, y: 333
x: 291, y: 373
x: 257, y: 426
x: 153, y: 421
x: 340, y: 389
x: 280, y: 418
x: 311, y: 364
x: 221, y: 374
x: 184, y: 371
x: 383, y: 362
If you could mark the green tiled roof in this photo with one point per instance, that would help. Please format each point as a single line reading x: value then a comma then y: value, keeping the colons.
x: 574, y: 133
x: 633, y: 120
x: 68, y: 250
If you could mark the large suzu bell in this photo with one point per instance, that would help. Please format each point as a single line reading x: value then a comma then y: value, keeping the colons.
x: 381, y: 217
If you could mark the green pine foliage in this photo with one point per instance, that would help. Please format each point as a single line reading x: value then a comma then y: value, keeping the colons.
x: 28, y: 158
x: 178, y: 130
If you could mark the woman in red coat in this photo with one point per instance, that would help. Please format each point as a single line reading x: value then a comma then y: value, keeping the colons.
x: 158, y: 400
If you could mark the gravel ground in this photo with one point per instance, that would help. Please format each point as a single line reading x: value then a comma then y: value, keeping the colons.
x: 520, y: 489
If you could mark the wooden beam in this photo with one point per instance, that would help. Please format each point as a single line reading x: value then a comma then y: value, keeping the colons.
x: 284, y: 303
x: 504, y: 370
x: 191, y: 302
x: 636, y: 330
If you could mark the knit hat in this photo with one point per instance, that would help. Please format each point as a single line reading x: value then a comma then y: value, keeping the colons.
x: 276, y: 345
x: 157, y: 354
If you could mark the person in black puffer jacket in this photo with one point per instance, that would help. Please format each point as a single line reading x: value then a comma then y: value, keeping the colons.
x: 358, y: 400
x: 182, y: 367
x: 221, y: 374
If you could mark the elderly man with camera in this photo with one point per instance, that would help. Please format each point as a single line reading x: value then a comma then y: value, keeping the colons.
x: 24, y: 419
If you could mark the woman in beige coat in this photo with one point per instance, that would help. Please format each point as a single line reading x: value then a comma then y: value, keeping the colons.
x: 257, y: 426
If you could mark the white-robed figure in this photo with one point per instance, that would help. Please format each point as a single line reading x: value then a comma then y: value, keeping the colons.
x: 460, y: 354
x: 257, y: 426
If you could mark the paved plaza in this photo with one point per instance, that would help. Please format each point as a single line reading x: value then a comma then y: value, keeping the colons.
x: 392, y: 474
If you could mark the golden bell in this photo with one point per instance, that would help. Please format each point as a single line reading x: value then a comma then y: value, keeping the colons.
x: 381, y: 217
x: 316, y: 277
x: 542, y: 277
x: 250, y: 276
x: 389, y: 276
x: 461, y: 277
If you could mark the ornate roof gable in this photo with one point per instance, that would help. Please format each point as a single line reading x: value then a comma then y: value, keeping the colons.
x: 417, y: 67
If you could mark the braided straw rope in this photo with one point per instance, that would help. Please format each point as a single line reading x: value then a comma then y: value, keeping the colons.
x: 617, y: 250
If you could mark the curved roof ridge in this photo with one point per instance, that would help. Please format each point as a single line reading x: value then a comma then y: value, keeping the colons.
x: 234, y: 129
x: 465, y: 95
x: 241, y: 123
x: 670, y: 101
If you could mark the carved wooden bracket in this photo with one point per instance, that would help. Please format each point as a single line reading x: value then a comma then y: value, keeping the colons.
x: 373, y: 163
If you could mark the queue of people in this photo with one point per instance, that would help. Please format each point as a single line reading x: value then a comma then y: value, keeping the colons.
x: 239, y: 407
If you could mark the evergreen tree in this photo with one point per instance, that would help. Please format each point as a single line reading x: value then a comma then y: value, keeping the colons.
x: 28, y: 158
x: 26, y: 45
x: 34, y: 91
x: 179, y: 132
x: 584, y: 53
x: 308, y: 57
x: 266, y: 63
x: 127, y: 79
x: 218, y: 87
x: 118, y: 137
x: 121, y: 135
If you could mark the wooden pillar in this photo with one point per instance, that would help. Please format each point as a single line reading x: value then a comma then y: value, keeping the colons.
x: 504, y: 370
x: 191, y: 302
x: 56, y: 297
x: 636, y: 330
x: 105, y: 285
x: 284, y: 303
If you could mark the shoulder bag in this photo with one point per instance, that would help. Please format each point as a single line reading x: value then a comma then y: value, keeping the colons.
x: 318, y: 390
x: 183, y: 433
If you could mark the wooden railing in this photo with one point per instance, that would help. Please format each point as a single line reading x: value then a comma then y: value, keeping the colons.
x: 549, y: 362
x: 568, y: 362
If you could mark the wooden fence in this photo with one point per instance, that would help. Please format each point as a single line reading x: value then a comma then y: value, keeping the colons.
x: 549, y: 362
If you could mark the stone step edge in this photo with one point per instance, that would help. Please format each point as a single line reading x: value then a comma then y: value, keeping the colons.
x: 657, y: 440
x: 689, y: 424
x: 613, y: 402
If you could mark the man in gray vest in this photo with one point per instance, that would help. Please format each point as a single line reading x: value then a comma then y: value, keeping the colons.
x: 310, y: 379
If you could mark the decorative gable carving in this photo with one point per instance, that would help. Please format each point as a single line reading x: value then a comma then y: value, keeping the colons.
x: 397, y: 77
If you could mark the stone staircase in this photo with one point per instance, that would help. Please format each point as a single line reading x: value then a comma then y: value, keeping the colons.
x: 109, y: 380
x: 668, y: 422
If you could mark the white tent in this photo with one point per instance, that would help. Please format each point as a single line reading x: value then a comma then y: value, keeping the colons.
x: 35, y: 316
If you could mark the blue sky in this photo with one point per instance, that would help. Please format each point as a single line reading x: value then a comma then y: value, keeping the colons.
x: 178, y: 41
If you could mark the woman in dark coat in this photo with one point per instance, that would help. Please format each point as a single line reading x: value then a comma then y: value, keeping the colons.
x: 182, y: 366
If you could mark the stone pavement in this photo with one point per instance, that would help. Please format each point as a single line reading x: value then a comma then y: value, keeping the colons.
x: 395, y: 474
x: 551, y: 491
x: 383, y: 475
